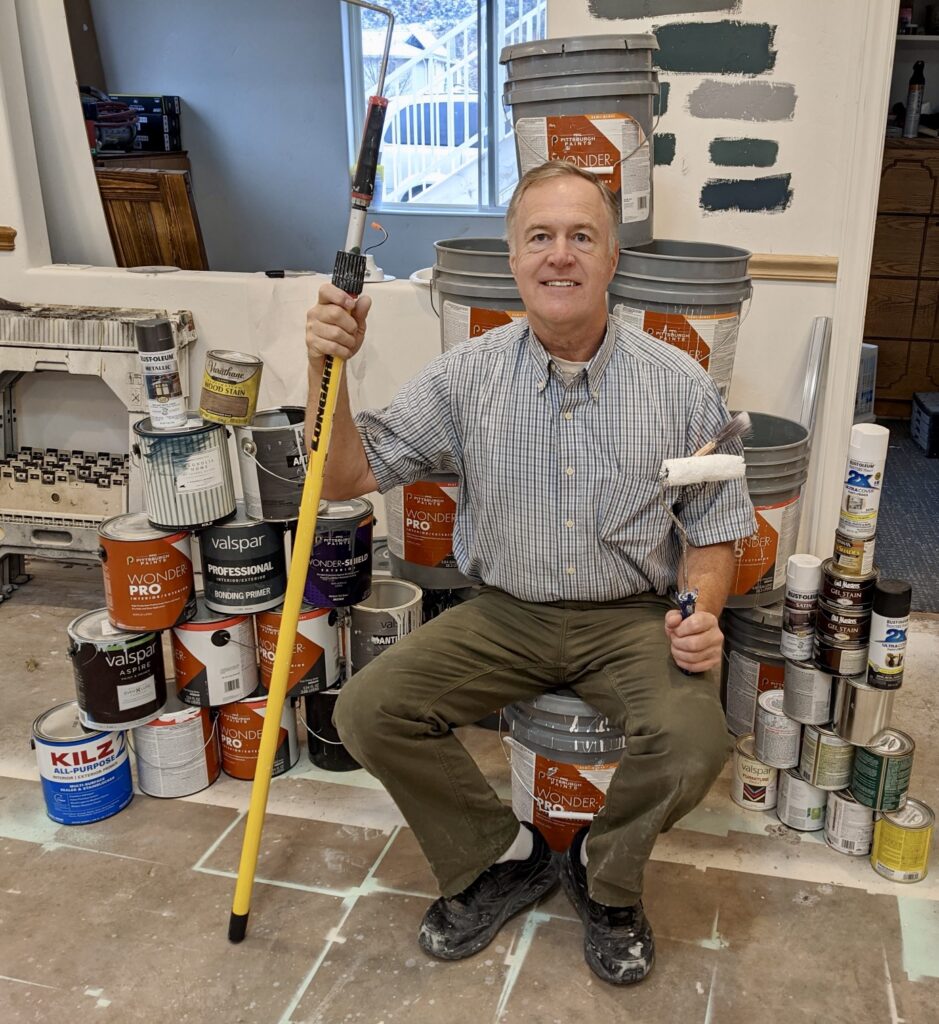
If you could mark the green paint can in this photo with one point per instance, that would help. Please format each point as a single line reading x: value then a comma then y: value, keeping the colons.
x: 882, y: 770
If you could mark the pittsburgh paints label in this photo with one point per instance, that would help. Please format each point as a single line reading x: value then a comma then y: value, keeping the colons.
x: 215, y: 665
x: 241, y: 726
x: 761, y: 558
x: 421, y: 517
x: 461, y: 322
x: 747, y: 678
x: 148, y: 584
x: 314, y: 665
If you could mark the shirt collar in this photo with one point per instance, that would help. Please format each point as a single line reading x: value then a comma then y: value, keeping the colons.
x: 595, y: 368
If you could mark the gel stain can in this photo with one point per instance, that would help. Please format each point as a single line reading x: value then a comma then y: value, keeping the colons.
x: 903, y: 841
x: 849, y: 826
x: 177, y: 753
x: 315, y: 662
x: 807, y: 693
x: 890, y: 622
x: 244, y: 567
x: 753, y: 784
x: 800, y: 805
x: 827, y: 761
x: 843, y: 591
x: 777, y: 736
x: 215, y: 658
x: 85, y: 774
x: 120, y: 680
x: 230, y: 386
x: 340, y: 572
x: 882, y: 770
x: 241, y: 724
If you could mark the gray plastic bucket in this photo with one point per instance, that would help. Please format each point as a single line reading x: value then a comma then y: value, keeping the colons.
x: 475, y: 289
x: 751, y: 664
x: 603, y: 80
x: 688, y: 294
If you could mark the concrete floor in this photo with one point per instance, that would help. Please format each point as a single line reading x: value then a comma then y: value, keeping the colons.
x: 126, y: 920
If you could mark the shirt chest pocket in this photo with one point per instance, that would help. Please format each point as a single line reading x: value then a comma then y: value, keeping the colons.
x: 632, y: 514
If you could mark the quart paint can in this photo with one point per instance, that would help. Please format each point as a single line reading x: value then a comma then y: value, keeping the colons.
x: 324, y: 747
x: 864, y: 476
x: 800, y: 805
x: 148, y: 580
x: 753, y: 784
x: 215, y: 657
x: 855, y: 593
x: 340, y: 571
x: 777, y: 736
x: 187, y: 479
x: 827, y: 761
x: 890, y: 622
x: 808, y: 693
x: 178, y: 753
x: 861, y: 711
x: 315, y: 662
x: 390, y: 612
x: 903, y: 841
x: 230, y: 387
x: 244, y: 568
x: 882, y: 770
x: 854, y: 556
x: 751, y: 662
x: 836, y: 625
x: 563, y: 755
x: 272, y: 463
x: 120, y: 680
x: 800, y: 605
x: 849, y: 826
x: 839, y: 657
x: 240, y: 726
x: 85, y: 774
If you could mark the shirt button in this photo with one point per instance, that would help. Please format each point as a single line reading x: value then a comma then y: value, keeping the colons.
x: 568, y: 415
x: 570, y: 524
x: 569, y: 470
x: 570, y: 570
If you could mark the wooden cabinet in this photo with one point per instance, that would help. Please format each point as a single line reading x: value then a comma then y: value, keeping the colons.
x: 903, y: 299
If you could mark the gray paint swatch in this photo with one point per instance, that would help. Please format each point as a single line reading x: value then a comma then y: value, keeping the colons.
x: 663, y: 148
x: 758, y: 195
x: 744, y: 152
x: 613, y: 10
x: 743, y: 101
x: 660, y: 102
x: 716, y: 47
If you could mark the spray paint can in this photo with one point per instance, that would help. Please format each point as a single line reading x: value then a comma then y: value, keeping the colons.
x: 863, y: 480
x: 914, y: 101
x: 800, y: 604
x: 157, y: 351
x: 890, y: 622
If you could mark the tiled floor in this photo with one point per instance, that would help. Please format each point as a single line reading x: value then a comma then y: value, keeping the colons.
x: 126, y: 920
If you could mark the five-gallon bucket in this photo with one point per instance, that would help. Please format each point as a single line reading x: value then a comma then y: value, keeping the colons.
x: 564, y: 753
x: 687, y: 294
x: 588, y: 100
x: 752, y: 663
x: 475, y: 289
x: 777, y: 458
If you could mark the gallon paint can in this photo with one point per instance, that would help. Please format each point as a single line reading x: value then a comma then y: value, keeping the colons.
x: 315, y: 662
x: 807, y: 693
x: 863, y: 483
x: 177, y: 753
x: 215, y: 658
x: 753, y: 784
x: 120, y: 680
x: 890, y: 622
x: 324, y: 747
x: 777, y: 736
x: 849, y: 826
x: 240, y: 726
x: 421, y: 518
x: 272, y: 463
x: 244, y: 568
x: 187, y: 478
x: 340, y: 571
x: 751, y: 662
x: 827, y: 761
x: 800, y: 805
x: 390, y: 612
x: 230, y: 387
x: 882, y: 770
x: 903, y: 842
x: 854, y: 556
x: 861, y: 711
x: 563, y: 755
x: 855, y: 593
x: 148, y: 580
x: 800, y: 605
x: 85, y: 774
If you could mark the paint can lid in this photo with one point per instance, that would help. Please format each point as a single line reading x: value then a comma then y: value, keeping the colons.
x: 892, y: 598
x: 803, y: 572
x: 771, y: 701
x: 133, y: 526
x: 205, y: 616
x: 338, y: 512
x: 237, y: 358
x: 154, y: 335
x: 891, y: 742
x: 61, y: 724
x: 914, y: 814
x: 194, y: 425
x: 95, y: 627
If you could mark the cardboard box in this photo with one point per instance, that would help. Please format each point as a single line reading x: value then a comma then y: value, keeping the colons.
x: 148, y: 104
x: 157, y: 142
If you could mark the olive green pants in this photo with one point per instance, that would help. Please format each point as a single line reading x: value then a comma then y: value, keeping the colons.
x: 396, y: 717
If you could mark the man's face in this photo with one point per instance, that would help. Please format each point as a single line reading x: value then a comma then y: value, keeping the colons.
x: 561, y: 254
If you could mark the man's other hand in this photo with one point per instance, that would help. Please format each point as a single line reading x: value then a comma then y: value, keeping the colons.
x: 335, y: 326
x: 696, y: 642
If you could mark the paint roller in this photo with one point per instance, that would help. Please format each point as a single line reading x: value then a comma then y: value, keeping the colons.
x: 349, y: 275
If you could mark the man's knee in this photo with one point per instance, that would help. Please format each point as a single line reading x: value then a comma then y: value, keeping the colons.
x: 698, y: 736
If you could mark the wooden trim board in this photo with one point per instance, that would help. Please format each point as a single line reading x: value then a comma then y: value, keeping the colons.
x: 767, y: 266
x: 6, y: 239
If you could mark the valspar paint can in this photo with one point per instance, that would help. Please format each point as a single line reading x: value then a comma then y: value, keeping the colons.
x: 777, y: 736
x: 240, y: 726
x: 148, y: 580
x: 340, y: 571
x: 854, y: 556
x: 807, y: 693
x: 855, y: 593
x: 215, y: 657
x: 751, y: 664
x: 272, y: 463
x: 753, y: 784
x: 315, y: 662
x: 827, y: 761
x: 390, y: 612
x: 800, y: 604
x: 120, y: 679
x: 882, y: 770
x: 177, y: 753
x: 861, y: 711
x: 230, y: 387
x: 187, y: 479
x: 800, y: 805
x: 85, y: 774
x: 244, y: 568
x: 849, y: 826
x: 903, y: 841
x: 864, y: 476
x: 890, y: 622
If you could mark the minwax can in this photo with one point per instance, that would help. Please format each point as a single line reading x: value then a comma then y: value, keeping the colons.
x: 882, y: 771
x: 890, y: 621
x: 902, y: 842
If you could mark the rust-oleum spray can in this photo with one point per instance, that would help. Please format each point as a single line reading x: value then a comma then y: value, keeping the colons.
x: 914, y: 101
x: 890, y: 621
x: 157, y: 351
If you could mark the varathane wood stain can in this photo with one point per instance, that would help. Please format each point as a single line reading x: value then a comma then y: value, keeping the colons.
x: 902, y: 842
x: 827, y: 761
x: 753, y: 784
x: 148, y: 580
x: 230, y: 387
x: 215, y: 658
x: 315, y: 662
x: 340, y: 572
x: 882, y: 771
x: 241, y: 724
x: 177, y: 753
x: 849, y: 826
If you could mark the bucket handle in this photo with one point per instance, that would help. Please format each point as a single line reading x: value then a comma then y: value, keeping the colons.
x: 250, y: 448
x: 181, y: 764
x: 316, y: 735
x: 551, y: 812
x: 433, y: 282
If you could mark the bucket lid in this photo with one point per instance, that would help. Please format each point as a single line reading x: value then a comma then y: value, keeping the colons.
x: 470, y: 256
x: 579, y: 44
x: 94, y: 627
x: 562, y: 702
x: 61, y: 724
x: 194, y: 425
x: 770, y: 616
x: 694, y: 263
x: 133, y: 526
x: 574, y: 88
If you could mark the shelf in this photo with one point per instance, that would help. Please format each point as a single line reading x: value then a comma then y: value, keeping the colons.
x: 928, y: 40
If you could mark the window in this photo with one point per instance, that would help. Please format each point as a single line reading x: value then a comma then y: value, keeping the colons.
x: 448, y: 140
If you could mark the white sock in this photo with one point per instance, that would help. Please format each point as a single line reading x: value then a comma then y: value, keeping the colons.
x: 521, y: 848
x: 583, y: 852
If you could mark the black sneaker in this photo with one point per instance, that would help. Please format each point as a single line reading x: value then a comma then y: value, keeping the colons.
x: 458, y: 926
x: 618, y: 943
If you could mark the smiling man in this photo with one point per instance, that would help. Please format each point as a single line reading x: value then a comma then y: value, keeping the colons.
x: 557, y: 426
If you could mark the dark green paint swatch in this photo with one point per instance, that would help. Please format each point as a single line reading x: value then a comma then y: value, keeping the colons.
x: 717, y: 47
x: 744, y: 152
x: 758, y: 195
x: 660, y: 102
x: 663, y: 148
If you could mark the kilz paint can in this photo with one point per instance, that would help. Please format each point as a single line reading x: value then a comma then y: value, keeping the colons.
x: 390, y: 612
x: 753, y: 784
x: 244, y: 568
x: 854, y: 556
x: 178, y: 753
x: 800, y: 605
x: 230, y: 387
x: 340, y: 571
x: 807, y: 693
x: 240, y: 726
x: 903, y: 841
x: 827, y: 761
x: 120, y: 680
x: 315, y: 662
x: 882, y: 771
x: 777, y: 736
x: 215, y: 658
x: 861, y: 711
x: 324, y: 747
x: 187, y: 477
x: 800, y: 805
x: 272, y: 463
x: 855, y: 593
x: 85, y: 774
x: 890, y: 622
x: 148, y: 581
x: 752, y: 663
x: 864, y: 476
x: 849, y: 826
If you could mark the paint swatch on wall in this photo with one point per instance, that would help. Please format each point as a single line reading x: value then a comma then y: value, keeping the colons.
x: 744, y: 152
x: 663, y: 148
x: 613, y: 10
x: 754, y: 195
x: 716, y: 47
x: 743, y: 101
x: 660, y: 102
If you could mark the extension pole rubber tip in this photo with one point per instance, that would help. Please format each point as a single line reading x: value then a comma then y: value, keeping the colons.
x: 237, y: 927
